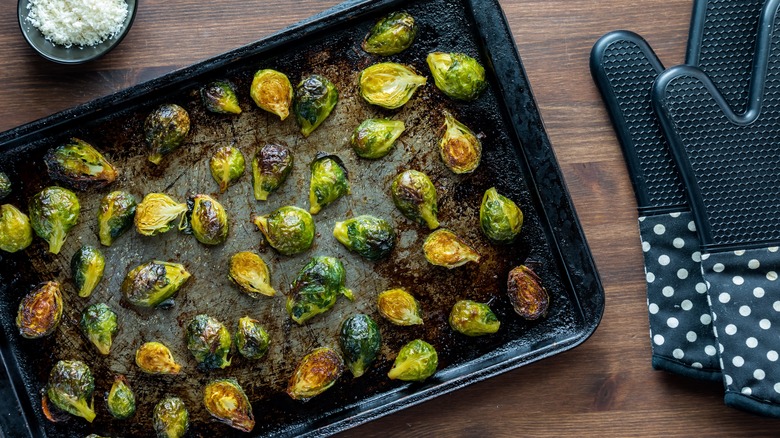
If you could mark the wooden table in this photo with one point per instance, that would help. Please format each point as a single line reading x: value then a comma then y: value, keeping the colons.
x: 605, y: 387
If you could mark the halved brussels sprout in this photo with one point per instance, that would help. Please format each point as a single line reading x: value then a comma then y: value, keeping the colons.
x: 152, y: 283
x: 99, y: 325
x: 120, y: 399
x: 5, y: 185
x: 316, y: 372
x: 165, y: 129
x: 369, y: 236
x: 54, y: 211
x: 52, y: 412
x: 399, y: 307
x: 271, y: 90
x: 252, y: 341
x: 270, y: 168
x: 71, y: 387
x: 457, y: 75
x: 208, y: 219
x: 416, y: 361
x: 289, y: 230
x: 157, y: 213
x: 170, y: 418
x: 392, y: 34
x: 444, y: 248
x: 227, y: 165
x: 316, y: 288
x: 86, y: 267
x: 415, y: 196
x: 329, y: 182
x: 473, y: 319
x: 156, y: 358
x: 499, y: 217
x: 40, y: 311
x: 209, y: 342
x: 389, y: 84
x: 526, y: 293
x: 227, y: 402
x: 374, y: 138
x: 315, y: 98
x: 250, y: 273
x: 459, y: 148
x: 220, y: 97
x: 360, y: 341
x: 79, y: 165
x: 15, y: 231
x: 115, y: 216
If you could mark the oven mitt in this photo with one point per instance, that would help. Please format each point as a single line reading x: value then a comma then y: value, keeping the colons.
x: 624, y: 68
x: 730, y: 163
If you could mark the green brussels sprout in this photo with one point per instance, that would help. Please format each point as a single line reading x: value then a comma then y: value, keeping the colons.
x: 209, y: 342
x: 444, y: 248
x: 52, y: 412
x: 473, y: 319
x: 315, y: 98
x: 375, y: 137
x: 399, y: 307
x: 165, y: 129
x: 316, y: 372
x: 415, y: 196
x: 86, y: 266
x: 270, y: 168
x: 392, y: 34
x: 220, y: 97
x: 5, y: 185
x: 79, y: 165
x: 208, y: 219
x: 289, y: 230
x: 499, y: 217
x: 250, y: 273
x: 416, y: 361
x: 316, y: 288
x: 459, y: 148
x: 271, y: 90
x: 252, y: 341
x: 54, y: 211
x: 115, y: 216
x: 156, y: 358
x: 70, y: 388
x: 120, y: 399
x: 227, y: 402
x: 152, y: 283
x: 457, y: 75
x: 371, y: 237
x: 227, y: 165
x: 40, y: 311
x: 15, y: 231
x: 98, y: 323
x: 360, y: 342
x: 157, y: 213
x: 389, y: 84
x: 170, y: 418
x: 526, y: 293
x: 329, y: 182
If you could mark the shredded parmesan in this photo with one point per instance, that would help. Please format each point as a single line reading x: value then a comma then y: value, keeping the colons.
x: 79, y: 22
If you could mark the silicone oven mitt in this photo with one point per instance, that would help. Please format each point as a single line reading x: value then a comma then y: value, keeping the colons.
x: 729, y: 158
x: 624, y: 67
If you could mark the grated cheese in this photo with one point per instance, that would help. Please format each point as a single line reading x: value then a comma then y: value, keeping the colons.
x: 77, y: 22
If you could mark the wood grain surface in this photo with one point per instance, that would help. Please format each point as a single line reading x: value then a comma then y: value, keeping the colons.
x: 605, y: 387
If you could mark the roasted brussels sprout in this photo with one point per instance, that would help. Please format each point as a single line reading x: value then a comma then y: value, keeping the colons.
x: 5, y: 185
x: 86, y: 267
x: 79, y: 165
x: 473, y: 319
x: 399, y: 307
x: 270, y: 168
x: 227, y: 165
x: 40, y: 311
x: 209, y: 342
x: 157, y: 213
x: 170, y: 418
x: 499, y: 217
x: 220, y: 97
x: 415, y: 195
x: 375, y: 137
x: 271, y: 90
x: 392, y: 34
x: 329, y: 182
x: 15, y: 230
x: 316, y: 372
x: 252, y: 341
x: 316, y: 288
x: 416, y: 361
x: 115, y: 216
x: 444, y: 248
x: 360, y: 342
x: 290, y: 230
x: 156, y: 358
x: 371, y: 237
x: 529, y: 299
x: 459, y: 148
x: 250, y: 273
x: 389, y: 84
x: 315, y: 98
x: 52, y: 412
x: 227, y: 402
x: 53, y: 212
x: 120, y: 399
x: 208, y: 219
x: 99, y: 325
x: 150, y: 284
x: 457, y: 75
x: 70, y: 388
x: 165, y: 129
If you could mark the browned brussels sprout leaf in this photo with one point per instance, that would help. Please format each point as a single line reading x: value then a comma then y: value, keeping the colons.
x: 315, y: 98
x: 316, y: 372
x: 316, y: 288
x: 392, y: 34
x: 473, y: 319
x: 270, y: 168
x: 157, y: 213
x: 271, y: 90
x: 156, y: 358
x: 252, y: 341
x: 227, y: 402
x: 369, y: 236
x: 40, y: 311
x: 152, y: 283
x: 79, y: 165
x: 115, y: 216
x: 415, y: 196
x: 227, y: 165
x: 399, y: 307
x: 220, y: 97
x: 250, y: 273
x: 529, y: 299
x: 209, y: 342
x: 165, y: 129
x: 208, y: 219
x: 444, y: 248
x: 459, y: 147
